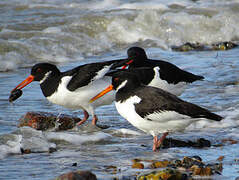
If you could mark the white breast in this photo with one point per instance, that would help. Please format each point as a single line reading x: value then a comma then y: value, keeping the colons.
x: 79, y: 99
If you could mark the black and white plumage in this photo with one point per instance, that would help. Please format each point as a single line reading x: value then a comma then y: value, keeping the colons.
x: 153, y: 110
x: 170, y: 77
x: 74, y: 88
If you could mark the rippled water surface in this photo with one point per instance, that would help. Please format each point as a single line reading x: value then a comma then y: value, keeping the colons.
x: 71, y: 33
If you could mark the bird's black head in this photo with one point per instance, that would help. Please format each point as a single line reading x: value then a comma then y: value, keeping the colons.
x: 121, y: 82
x: 136, y: 57
x: 136, y: 53
x: 122, y: 79
x: 42, y: 70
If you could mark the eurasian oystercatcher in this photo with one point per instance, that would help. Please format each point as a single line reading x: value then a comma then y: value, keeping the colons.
x: 151, y: 109
x: 74, y: 88
x: 169, y: 77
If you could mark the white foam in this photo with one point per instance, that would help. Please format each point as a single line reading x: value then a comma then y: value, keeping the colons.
x: 128, y: 132
x: 113, y: 24
x: 52, y: 30
x: 35, y: 140
x: 11, y: 146
x: 77, y: 139
x: 144, y: 5
x: 10, y: 61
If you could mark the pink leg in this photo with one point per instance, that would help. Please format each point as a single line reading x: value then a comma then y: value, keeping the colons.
x: 86, y: 116
x: 94, y: 120
x: 157, y: 142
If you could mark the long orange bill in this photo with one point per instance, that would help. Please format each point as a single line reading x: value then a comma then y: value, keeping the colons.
x: 102, y: 93
x: 27, y: 81
x: 128, y: 63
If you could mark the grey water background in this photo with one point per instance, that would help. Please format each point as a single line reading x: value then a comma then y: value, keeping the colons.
x: 71, y: 33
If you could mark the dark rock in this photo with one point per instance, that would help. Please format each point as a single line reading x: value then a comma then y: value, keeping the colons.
x: 165, y: 174
x: 180, y: 169
x: 224, y: 45
x: 51, y: 150
x: 138, y: 165
x: 200, y: 143
x: 188, y: 47
x: 77, y: 175
x: 25, y: 151
x: 44, y: 121
x: 159, y: 164
x: 203, y: 47
x: 74, y: 164
x: 188, y: 162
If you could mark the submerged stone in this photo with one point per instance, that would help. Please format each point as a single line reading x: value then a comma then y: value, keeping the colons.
x: 199, y: 143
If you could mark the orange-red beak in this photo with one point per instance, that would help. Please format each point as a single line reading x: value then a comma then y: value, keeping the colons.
x: 128, y: 63
x: 27, y: 81
x: 102, y: 93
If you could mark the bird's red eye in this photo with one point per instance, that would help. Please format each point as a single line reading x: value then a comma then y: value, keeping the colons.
x: 39, y: 70
x: 116, y: 79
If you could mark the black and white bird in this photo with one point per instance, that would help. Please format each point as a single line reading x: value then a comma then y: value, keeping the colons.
x: 151, y: 109
x: 74, y: 88
x: 166, y: 76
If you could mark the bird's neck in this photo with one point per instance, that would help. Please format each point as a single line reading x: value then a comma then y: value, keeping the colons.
x: 125, y: 92
x: 50, y: 85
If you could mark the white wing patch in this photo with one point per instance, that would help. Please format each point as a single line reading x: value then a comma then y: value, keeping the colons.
x: 157, y: 82
x: 162, y: 116
x: 101, y: 73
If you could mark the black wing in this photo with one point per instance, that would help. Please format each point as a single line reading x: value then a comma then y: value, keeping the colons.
x: 173, y: 74
x: 83, y: 75
x: 157, y: 100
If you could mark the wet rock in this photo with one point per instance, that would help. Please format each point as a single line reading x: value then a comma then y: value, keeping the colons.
x: 166, y: 174
x: 44, y: 121
x: 224, y: 45
x: 26, y: 151
x: 203, y: 47
x: 188, y: 162
x: 74, y: 164
x: 77, y: 175
x: 181, y: 169
x: 159, y: 164
x: 138, y: 165
x: 188, y: 47
x: 201, y: 171
x: 199, y: 143
x: 52, y: 150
